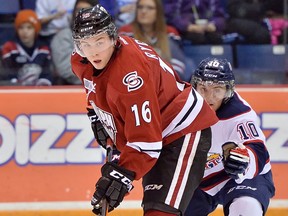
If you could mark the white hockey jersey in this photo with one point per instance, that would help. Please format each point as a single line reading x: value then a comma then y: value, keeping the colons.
x: 237, y: 123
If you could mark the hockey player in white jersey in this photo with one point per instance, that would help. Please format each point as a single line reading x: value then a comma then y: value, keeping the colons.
x: 238, y: 171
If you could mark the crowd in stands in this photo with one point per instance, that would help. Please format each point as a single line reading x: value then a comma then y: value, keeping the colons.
x: 40, y: 52
x: 150, y: 27
x: 62, y: 46
x: 26, y: 60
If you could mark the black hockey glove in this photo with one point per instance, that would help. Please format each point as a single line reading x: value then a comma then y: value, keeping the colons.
x: 114, y: 184
x: 99, y: 131
x: 236, y: 160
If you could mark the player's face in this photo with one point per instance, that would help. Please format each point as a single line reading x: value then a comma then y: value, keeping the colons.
x: 212, y: 93
x: 97, y: 49
x: 146, y: 12
x: 26, y: 33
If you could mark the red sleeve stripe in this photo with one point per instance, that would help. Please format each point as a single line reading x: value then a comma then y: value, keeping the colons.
x: 256, y: 161
x: 7, y: 55
x: 186, y: 116
x: 152, y: 149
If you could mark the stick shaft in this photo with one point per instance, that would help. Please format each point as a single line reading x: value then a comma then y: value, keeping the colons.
x: 109, y: 152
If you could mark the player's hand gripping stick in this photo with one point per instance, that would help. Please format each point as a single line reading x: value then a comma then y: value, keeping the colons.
x: 236, y: 159
x: 111, y: 188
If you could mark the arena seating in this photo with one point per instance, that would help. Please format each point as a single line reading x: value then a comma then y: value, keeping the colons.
x: 8, y: 10
x: 7, y: 32
x: 199, y: 52
x: 28, y: 4
x: 253, y: 64
x: 9, y: 7
x: 262, y: 64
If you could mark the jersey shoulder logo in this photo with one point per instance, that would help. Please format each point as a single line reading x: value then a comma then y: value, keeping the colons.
x: 89, y: 85
x: 133, y: 81
x: 213, y: 159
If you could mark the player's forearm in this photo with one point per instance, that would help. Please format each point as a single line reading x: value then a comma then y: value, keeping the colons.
x: 46, y: 20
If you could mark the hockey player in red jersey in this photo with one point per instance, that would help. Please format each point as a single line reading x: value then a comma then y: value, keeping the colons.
x: 160, y: 125
x: 238, y: 171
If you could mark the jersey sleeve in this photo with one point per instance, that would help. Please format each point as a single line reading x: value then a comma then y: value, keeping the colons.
x: 8, y: 48
x: 259, y: 159
x: 10, y: 66
x: 41, y: 9
x: 79, y: 65
x: 140, y: 113
x: 248, y: 133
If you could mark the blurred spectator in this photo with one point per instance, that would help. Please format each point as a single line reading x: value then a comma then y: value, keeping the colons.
x: 201, y: 22
x: 25, y: 61
x: 246, y: 20
x: 111, y: 6
x: 2, y: 72
x: 62, y: 46
x: 54, y: 15
x: 277, y: 20
x: 123, y: 11
x: 126, y: 13
x: 278, y: 26
x: 150, y: 27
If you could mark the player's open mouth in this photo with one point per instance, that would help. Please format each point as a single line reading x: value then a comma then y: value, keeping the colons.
x: 97, y: 61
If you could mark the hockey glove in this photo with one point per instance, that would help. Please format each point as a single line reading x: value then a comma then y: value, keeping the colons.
x: 236, y: 160
x: 99, y: 131
x: 114, y: 184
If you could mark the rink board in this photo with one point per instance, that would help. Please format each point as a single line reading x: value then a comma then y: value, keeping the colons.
x: 41, y: 160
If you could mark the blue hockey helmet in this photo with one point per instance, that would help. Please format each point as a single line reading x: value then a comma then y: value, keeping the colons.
x: 215, y: 71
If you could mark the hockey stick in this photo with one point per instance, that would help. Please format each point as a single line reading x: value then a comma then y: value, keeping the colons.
x: 109, y: 152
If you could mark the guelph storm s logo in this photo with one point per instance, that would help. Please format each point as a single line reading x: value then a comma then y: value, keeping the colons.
x: 132, y: 81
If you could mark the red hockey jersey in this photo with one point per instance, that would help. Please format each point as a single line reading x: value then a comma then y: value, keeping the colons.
x: 141, y: 103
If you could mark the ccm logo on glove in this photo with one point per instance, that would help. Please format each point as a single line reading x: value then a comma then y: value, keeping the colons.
x: 115, y: 183
x: 121, y: 177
